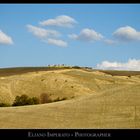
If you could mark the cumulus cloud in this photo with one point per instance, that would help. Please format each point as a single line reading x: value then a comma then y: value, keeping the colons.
x: 132, y: 64
x: 5, y: 39
x: 61, y: 21
x: 42, y: 33
x: 126, y: 34
x: 47, y: 36
x: 57, y: 42
x: 87, y: 35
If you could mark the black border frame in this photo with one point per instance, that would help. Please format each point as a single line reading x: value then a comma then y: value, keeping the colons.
x: 71, y: 133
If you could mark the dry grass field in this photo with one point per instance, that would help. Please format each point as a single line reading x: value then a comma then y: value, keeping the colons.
x: 94, y: 99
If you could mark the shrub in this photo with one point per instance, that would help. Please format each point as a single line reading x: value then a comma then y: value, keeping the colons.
x: 21, y: 100
x: 64, y: 98
x: 25, y: 100
x: 76, y: 67
x: 44, y: 98
x: 59, y: 99
x: 4, y: 105
x: 33, y: 101
x: 72, y: 97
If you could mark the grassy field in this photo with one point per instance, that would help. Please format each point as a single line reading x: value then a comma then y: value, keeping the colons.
x: 22, y: 70
x: 95, y: 99
x: 121, y: 73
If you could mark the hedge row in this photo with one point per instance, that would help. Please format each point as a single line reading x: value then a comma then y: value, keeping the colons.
x: 26, y: 100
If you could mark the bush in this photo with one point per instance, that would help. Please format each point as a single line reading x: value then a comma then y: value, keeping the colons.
x: 33, y: 101
x: 25, y: 100
x: 59, y: 99
x: 76, y: 67
x: 21, y: 100
x: 44, y: 98
x: 4, y: 105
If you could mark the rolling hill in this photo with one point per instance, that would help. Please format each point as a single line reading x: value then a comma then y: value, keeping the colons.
x: 94, y: 98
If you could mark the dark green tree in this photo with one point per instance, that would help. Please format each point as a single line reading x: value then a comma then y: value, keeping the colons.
x: 25, y: 100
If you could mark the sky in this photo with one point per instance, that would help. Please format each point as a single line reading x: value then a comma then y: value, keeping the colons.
x: 102, y: 36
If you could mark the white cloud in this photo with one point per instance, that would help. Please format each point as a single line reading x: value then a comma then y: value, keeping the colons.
x: 132, y: 64
x: 126, y: 34
x: 47, y: 36
x: 110, y: 42
x: 73, y: 36
x: 62, y: 21
x: 87, y: 35
x: 57, y: 42
x: 42, y: 33
x: 5, y: 39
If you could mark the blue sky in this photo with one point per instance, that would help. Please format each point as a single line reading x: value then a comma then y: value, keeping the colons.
x: 105, y: 36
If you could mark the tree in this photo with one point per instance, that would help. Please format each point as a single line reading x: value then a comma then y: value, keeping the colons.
x: 44, y: 98
x: 25, y: 100
x: 4, y: 105
x: 33, y: 101
x: 21, y: 100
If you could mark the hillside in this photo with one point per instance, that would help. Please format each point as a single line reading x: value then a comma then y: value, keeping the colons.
x: 94, y: 99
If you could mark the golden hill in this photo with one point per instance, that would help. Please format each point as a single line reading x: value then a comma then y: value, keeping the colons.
x: 95, y: 99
